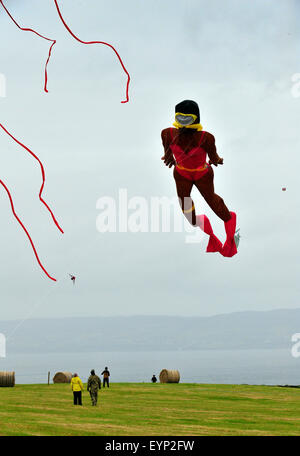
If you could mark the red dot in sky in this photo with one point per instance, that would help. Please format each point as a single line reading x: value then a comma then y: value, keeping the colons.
x: 283, y: 189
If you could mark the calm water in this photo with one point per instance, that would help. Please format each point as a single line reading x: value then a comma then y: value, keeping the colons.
x: 270, y: 367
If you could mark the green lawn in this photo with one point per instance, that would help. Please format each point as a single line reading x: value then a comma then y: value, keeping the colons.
x: 146, y: 409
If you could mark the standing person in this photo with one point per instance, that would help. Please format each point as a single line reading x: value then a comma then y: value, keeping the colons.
x: 106, y: 376
x: 94, y: 384
x: 186, y: 148
x: 77, y: 388
x: 154, y: 379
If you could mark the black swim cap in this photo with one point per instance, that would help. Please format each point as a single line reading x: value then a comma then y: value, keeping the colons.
x: 188, y: 107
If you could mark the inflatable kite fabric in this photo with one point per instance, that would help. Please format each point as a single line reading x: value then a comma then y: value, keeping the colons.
x: 186, y: 148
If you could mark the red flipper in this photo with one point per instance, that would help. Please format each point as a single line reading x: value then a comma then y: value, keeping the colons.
x: 229, y: 248
x: 214, y: 244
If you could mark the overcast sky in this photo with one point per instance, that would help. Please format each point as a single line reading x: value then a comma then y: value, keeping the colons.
x: 236, y: 59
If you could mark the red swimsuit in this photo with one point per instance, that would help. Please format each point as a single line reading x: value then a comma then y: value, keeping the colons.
x: 192, y: 164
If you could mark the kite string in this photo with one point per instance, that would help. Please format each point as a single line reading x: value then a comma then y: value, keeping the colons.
x: 96, y: 42
x: 24, y: 228
x: 38, y: 34
x: 42, y: 171
x: 39, y: 301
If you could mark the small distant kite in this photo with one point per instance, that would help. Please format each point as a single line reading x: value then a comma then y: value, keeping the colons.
x: 283, y: 189
x: 73, y: 278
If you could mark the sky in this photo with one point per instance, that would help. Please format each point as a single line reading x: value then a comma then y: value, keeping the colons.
x: 237, y: 60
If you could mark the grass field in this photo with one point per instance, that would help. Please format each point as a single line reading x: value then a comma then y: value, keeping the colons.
x: 145, y: 409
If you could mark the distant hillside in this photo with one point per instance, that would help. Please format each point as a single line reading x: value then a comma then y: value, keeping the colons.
x: 242, y: 330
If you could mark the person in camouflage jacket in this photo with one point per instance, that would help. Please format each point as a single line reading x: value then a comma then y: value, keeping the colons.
x: 93, y: 386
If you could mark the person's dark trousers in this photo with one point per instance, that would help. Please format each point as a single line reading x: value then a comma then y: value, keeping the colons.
x: 77, y: 398
x: 106, y: 381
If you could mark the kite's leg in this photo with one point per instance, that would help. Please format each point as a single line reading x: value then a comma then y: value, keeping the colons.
x: 229, y: 248
x: 184, y: 187
x: 205, y: 186
x: 214, y: 244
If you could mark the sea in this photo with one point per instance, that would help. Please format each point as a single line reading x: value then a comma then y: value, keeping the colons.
x: 255, y: 367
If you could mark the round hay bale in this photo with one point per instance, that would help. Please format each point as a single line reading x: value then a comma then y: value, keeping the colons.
x: 169, y: 376
x: 62, y: 377
x: 7, y: 379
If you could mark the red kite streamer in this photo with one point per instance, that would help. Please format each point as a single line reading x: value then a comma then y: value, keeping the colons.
x: 43, y: 174
x: 28, y: 235
x: 38, y: 34
x: 46, y: 90
x: 96, y: 42
x: 76, y: 38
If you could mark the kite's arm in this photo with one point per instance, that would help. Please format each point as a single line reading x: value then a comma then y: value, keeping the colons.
x: 211, y: 149
x: 168, y: 157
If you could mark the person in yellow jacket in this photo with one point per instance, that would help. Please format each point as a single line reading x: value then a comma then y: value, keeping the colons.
x: 77, y: 388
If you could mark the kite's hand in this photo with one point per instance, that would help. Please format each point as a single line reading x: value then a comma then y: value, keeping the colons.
x: 220, y: 162
x: 169, y: 161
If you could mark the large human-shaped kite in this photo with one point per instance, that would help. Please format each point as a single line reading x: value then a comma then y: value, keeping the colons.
x: 186, y: 148
x: 53, y: 42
